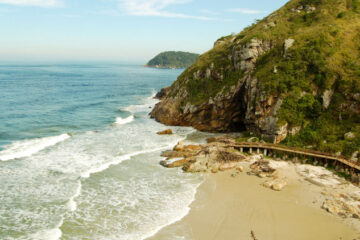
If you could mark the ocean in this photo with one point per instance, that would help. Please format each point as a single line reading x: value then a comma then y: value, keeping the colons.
x: 79, y: 155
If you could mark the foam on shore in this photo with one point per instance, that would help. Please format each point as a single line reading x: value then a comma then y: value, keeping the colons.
x: 120, y: 159
x: 48, y: 234
x: 123, y: 121
x: 72, y: 205
x: 108, y: 179
x: 29, y: 147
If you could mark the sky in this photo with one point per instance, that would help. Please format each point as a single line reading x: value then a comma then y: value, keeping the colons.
x: 119, y: 30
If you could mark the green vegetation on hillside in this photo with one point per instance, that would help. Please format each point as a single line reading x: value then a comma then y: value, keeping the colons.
x: 173, y: 59
x: 201, y: 89
x: 324, y: 56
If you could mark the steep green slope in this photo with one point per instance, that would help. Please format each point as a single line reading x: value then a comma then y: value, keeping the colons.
x: 173, y: 60
x: 293, y: 77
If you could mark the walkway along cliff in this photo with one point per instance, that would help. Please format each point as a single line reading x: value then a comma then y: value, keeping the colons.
x: 224, y: 153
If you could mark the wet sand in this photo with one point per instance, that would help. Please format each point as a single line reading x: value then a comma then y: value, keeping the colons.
x: 228, y: 208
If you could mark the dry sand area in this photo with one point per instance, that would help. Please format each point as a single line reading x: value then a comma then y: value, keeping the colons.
x: 231, y: 205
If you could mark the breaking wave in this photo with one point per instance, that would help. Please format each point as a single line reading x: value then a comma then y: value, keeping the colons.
x: 26, y: 148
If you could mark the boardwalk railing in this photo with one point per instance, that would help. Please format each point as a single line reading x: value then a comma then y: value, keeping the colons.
x: 298, y: 151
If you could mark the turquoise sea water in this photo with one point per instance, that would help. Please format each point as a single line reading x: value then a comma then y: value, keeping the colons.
x: 79, y: 154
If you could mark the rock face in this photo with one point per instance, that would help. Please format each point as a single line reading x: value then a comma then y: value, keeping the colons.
x: 257, y: 79
x: 162, y: 93
x: 288, y: 44
x: 244, y: 56
x: 327, y: 98
x: 302, y: 8
x: 242, y: 106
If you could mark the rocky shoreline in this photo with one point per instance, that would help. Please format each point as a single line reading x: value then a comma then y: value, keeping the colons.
x: 335, y: 195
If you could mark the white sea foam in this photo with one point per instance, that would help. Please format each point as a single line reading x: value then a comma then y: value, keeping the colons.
x: 177, y: 215
x: 72, y: 205
x: 48, y: 234
x: 120, y: 159
x: 154, y: 200
x: 122, y: 121
x: 148, y: 104
x: 141, y: 202
x: 26, y: 148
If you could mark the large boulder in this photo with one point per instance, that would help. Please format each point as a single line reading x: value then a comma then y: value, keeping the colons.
x: 175, y: 154
x: 276, y: 185
x: 176, y: 164
x: 279, y: 185
x: 165, y: 132
x: 218, y: 155
x: 179, y: 147
x: 214, y: 158
x: 262, y: 168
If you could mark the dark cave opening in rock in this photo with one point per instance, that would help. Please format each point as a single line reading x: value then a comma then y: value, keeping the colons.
x: 238, y: 111
x: 237, y: 126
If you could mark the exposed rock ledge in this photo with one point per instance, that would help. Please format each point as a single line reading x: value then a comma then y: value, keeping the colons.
x: 219, y: 155
x: 335, y: 194
x: 211, y: 157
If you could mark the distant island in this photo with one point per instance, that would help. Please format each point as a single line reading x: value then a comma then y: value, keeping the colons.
x: 173, y: 59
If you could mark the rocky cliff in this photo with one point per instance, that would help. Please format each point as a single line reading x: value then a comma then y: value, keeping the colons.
x: 293, y: 76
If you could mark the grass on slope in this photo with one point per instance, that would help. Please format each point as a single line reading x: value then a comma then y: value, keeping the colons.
x: 325, y: 55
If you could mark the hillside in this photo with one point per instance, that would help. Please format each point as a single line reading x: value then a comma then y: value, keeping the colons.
x: 173, y: 59
x: 293, y: 77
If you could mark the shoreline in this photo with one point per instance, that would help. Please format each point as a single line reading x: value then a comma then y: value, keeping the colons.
x: 231, y: 208
x: 233, y: 205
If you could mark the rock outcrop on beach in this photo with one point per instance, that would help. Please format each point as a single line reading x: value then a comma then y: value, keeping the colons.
x: 292, y: 77
x: 219, y: 154
x: 343, y: 206
x: 211, y: 157
x: 328, y: 191
x: 165, y: 132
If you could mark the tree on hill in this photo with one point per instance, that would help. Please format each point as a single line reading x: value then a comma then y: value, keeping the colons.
x: 173, y: 59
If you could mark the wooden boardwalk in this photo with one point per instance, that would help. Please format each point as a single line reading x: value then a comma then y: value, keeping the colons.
x: 321, y: 156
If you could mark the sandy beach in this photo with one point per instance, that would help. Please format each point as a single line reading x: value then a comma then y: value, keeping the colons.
x: 231, y: 206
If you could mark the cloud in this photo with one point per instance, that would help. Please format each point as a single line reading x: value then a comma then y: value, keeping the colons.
x: 107, y: 12
x: 38, y: 3
x: 246, y: 11
x: 156, y: 8
x: 207, y: 11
